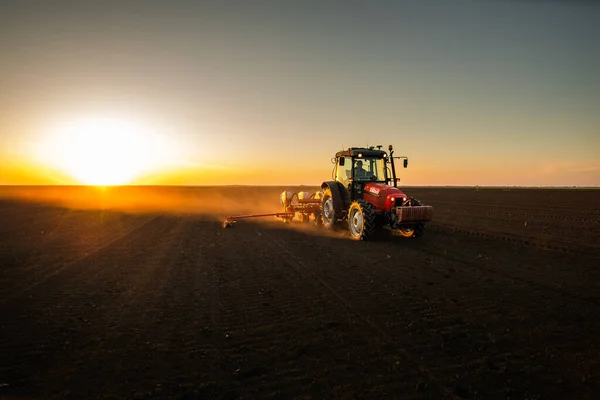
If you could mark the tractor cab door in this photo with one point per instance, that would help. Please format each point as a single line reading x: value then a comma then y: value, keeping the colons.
x: 343, y: 171
x: 346, y: 175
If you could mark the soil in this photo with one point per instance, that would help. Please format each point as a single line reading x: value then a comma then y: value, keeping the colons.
x: 151, y: 298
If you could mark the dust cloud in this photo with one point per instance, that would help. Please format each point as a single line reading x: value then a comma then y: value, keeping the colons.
x: 213, y: 201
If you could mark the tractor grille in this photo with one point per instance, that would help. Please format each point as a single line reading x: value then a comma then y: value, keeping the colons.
x: 414, y: 214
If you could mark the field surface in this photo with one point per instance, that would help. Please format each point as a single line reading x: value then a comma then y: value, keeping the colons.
x: 140, y: 293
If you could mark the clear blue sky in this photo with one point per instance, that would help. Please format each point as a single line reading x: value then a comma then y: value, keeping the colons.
x: 474, y: 92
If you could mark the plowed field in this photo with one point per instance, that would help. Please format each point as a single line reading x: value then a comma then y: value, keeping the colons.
x: 140, y: 293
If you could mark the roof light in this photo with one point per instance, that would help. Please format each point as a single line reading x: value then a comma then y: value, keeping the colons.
x: 359, y: 155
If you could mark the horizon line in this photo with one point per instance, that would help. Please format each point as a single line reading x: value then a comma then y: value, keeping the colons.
x: 297, y: 185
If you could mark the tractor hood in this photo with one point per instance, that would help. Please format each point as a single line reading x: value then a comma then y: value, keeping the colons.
x: 382, y: 196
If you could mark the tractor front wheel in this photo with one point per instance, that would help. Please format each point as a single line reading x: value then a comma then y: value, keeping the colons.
x: 414, y: 230
x: 406, y: 231
x: 361, y: 220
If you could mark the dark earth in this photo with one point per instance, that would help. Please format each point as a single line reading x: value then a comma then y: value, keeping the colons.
x: 140, y: 293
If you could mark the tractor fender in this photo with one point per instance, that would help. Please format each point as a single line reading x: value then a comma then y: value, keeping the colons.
x: 339, y: 194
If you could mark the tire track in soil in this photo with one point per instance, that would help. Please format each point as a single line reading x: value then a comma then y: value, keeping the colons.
x: 542, y: 322
x: 128, y: 331
x: 24, y: 259
x: 181, y: 317
x: 450, y: 254
x: 549, y: 312
x: 43, y: 326
x: 57, y: 265
x: 444, y: 325
x: 240, y: 330
x: 590, y: 211
x: 160, y: 321
x: 268, y: 329
x: 80, y: 230
x: 543, y: 242
x: 28, y: 221
x: 492, y: 210
x: 566, y: 234
x: 358, y: 292
x: 255, y: 311
x: 553, y: 229
x: 205, y: 315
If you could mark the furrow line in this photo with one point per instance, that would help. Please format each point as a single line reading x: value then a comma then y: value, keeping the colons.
x: 138, y: 230
x: 521, y: 239
x: 301, y: 267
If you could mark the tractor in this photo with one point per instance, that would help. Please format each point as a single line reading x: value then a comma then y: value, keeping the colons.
x: 365, y: 195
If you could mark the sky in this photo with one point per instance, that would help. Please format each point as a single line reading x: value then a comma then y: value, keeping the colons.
x: 487, y: 92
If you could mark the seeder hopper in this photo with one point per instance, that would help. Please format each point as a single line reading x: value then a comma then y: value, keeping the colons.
x: 363, y: 194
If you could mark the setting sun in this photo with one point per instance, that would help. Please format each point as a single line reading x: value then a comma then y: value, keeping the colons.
x: 104, y: 151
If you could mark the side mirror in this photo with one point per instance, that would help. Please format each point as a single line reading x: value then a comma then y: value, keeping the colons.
x: 405, y: 162
x: 342, y: 161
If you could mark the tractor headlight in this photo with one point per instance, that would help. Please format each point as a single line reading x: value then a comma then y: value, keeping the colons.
x: 359, y: 155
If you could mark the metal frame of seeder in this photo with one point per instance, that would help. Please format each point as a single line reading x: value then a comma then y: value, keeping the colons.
x: 301, y: 205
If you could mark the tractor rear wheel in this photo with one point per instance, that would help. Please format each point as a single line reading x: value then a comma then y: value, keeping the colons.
x: 329, y: 212
x: 361, y: 220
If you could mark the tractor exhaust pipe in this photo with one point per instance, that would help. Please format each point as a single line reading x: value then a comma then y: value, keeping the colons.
x: 391, y: 149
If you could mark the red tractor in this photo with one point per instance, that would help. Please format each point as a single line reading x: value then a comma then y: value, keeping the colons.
x: 365, y: 195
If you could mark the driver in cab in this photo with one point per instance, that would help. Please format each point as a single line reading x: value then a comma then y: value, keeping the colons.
x: 359, y: 171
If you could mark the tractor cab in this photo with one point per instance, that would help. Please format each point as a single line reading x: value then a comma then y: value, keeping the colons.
x: 358, y: 166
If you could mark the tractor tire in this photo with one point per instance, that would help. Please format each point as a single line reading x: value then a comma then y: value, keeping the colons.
x: 414, y: 230
x: 361, y: 220
x: 329, y: 214
x: 420, y: 229
x: 405, y: 231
